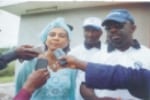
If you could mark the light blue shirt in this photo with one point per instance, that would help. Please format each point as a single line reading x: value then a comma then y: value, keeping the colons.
x: 60, y: 85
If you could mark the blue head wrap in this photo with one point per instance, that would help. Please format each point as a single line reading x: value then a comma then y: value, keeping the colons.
x: 58, y: 23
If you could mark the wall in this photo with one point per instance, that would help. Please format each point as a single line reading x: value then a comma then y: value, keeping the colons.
x: 31, y: 25
x: 9, y: 25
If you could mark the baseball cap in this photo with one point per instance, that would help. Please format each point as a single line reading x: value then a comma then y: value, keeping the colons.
x: 93, y: 22
x: 118, y: 15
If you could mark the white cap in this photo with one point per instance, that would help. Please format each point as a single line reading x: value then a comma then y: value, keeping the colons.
x: 92, y: 21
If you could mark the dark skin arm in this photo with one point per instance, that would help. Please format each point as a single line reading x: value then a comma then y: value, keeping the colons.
x: 26, y: 52
x: 35, y: 80
x: 130, y: 79
x: 86, y: 92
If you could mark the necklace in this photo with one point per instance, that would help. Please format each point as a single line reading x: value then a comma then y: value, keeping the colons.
x: 52, y: 62
x: 54, y: 66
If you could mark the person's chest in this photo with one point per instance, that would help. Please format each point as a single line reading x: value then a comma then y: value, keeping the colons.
x: 58, y: 84
x: 129, y: 58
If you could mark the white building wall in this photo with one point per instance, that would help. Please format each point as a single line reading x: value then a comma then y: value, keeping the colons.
x: 32, y: 25
x: 9, y: 26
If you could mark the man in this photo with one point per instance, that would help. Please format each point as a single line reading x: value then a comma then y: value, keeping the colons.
x: 122, y: 48
x: 25, y: 52
x: 103, y: 76
x: 91, y: 45
x: 34, y: 81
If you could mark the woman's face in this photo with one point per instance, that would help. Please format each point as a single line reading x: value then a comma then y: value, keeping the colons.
x: 57, y: 38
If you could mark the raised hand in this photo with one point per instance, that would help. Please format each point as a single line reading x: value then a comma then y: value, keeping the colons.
x: 36, y: 79
x: 26, y: 52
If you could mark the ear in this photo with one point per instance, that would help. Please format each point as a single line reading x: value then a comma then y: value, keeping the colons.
x: 133, y: 28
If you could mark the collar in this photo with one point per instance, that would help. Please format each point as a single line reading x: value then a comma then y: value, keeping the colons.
x: 135, y: 45
x: 92, y: 45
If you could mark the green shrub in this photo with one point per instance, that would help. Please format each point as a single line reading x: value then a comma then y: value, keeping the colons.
x: 6, y: 79
x: 9, y: 71
x: 7, y: 74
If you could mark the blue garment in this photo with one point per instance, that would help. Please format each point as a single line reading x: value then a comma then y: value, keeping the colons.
x: 60, y: 85
x: 101, y: 76
x: 6, y: 58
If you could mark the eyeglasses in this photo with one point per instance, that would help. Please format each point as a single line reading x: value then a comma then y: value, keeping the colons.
x: 114, y: 25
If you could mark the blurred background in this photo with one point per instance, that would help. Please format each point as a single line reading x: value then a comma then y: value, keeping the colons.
x: 21, y: 22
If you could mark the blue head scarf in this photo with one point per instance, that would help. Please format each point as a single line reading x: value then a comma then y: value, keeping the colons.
x: 58, y: 23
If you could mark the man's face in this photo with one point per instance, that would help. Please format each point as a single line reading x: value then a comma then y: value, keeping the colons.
x: 91, y: 34
x: 119, y: 34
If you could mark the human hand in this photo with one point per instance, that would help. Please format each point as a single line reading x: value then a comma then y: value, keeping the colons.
x: 70, y: 61
x: 26, y: 52
x: 36, y: 79
x: 74, y: 63
x: 87, y: 93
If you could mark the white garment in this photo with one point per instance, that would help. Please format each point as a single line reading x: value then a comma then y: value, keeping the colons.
x: 135, y: 58
x: 82, y: 53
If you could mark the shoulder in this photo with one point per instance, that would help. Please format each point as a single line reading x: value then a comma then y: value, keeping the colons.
x: 72, y: 72
x: 81, y: 46
x: 144, y: 48
x: 101, y: 54
x: 28, y: 65
x: 76, y: 49
x: 30, y: 62
x: 143, y: 51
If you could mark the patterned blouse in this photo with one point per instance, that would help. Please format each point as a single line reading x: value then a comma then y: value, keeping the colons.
x: 60, y: 85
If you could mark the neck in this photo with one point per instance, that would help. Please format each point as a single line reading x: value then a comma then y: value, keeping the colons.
x: 52, y: 61
x: 87, y: 42
x: 125, y: 46
x: 49, y: 55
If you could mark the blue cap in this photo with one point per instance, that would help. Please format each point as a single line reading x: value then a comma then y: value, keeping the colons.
x: 118, y: 15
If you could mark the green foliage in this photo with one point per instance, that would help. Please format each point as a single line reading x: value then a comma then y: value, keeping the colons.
x: 6, y: 79
x: 2, y: 50
x: 7, y: 74
x: 9, y: 71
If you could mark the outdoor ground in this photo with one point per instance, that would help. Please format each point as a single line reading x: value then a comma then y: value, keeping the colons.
x: 7, y: 91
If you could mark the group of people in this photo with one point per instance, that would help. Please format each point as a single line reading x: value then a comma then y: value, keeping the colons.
x: 115, y: 70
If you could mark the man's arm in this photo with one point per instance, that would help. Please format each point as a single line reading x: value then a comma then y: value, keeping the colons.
x: 103, y: 76
x: 25, y: 52
x: 34, y: 81
x: 6, y: 58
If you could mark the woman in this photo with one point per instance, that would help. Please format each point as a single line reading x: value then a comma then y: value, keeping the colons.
x: 61, y: 84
